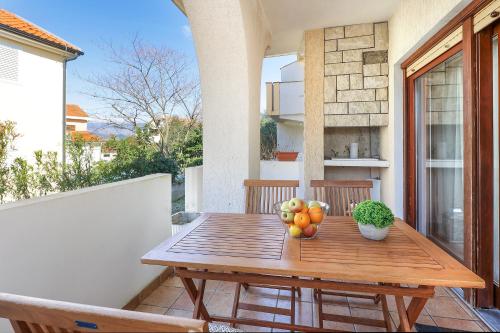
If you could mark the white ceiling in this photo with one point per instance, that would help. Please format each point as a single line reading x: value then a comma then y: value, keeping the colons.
x: 288, y: 19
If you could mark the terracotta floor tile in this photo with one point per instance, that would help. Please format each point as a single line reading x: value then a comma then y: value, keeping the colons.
x: 458, y: 324
x: 173, y: 281
x: 220, y: 304
x: 303, y: 313
x: 391, y: 303
x: 334, y: 309
x: 422, y: 319
x: 163, y: 296
x: 446, y: 307
x: 440, y: 291
x: 184, y: 301
x: 151, y: 309
x: 255, y: 315
x: 363, y: 303
x: 180, y: 313
x: 306, y: 295
x: 259, y: 299
x: 227, y: 287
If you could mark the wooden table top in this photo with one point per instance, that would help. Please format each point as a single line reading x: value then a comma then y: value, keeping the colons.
x: 259, y: 244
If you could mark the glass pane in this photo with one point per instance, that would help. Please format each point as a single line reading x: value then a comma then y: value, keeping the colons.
x: 496, y: 175
x: 439, y: 124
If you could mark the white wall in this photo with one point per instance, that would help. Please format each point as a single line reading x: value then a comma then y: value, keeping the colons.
x: 277, y: 170
x: 193, y: 184
x: 292, y: 99
x: 35, y: 101
x: 290, y: 136
x: 231, y: 37
x: 86, y: 245
x: 292, y: 72
x: 413, y: 23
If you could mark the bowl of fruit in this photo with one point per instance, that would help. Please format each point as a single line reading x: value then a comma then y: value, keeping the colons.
x: 301, y: 218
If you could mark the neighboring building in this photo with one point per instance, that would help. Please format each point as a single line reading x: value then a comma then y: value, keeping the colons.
x: 77, y: 126
x: 32, y: 84
x: 285, y: 103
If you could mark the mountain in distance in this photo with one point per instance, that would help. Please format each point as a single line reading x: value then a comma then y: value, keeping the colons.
x: 105, y: 131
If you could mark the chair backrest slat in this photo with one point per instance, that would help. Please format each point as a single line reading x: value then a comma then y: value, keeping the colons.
x: 268, y: 192
x: 341, y: 195
x: 36, y: 315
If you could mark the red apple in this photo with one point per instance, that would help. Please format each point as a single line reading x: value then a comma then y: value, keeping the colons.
x: 310, y: 230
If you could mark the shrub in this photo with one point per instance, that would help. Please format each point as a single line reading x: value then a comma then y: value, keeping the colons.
x: 373, y: 212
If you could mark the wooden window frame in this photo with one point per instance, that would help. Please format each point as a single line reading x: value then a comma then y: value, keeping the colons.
x: 475, y: 138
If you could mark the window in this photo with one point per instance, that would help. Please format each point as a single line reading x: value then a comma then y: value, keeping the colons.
x: 9, y: 64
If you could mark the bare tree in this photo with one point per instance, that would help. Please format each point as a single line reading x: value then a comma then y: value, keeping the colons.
x: 146, y: 85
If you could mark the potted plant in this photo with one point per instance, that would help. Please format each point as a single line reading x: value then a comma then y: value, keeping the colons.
x: 374, y: 219
x: 286, y: 153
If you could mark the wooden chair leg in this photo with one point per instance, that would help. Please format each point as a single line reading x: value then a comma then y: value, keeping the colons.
x: 245, y: 285
x: 320, y: 306
x: 292, y: 307
x: 385, y: 311
x: 299, y: 292
x: 377, y: 299
x: 236, y: 302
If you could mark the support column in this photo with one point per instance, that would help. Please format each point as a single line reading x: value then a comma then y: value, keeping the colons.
x: 314, y: 117
x: 231, y: 37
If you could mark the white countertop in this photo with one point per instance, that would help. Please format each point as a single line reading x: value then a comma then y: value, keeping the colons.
x: 357, y: 162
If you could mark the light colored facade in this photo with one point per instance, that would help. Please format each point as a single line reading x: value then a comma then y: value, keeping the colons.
x: 32, y: 84
x: 391, y: 26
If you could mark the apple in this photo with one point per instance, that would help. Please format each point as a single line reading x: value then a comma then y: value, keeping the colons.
x: 295, y: 231
x: 310, y: 230
x: 285, y: 207
x: 287, y: 216
x: 296, y: 205
x: 314, y: 204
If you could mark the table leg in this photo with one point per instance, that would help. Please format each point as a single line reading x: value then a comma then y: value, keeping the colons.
x: 199, y: 299
x: 320, y: 307
x: 236, y: 302
x: 416, y: 306
x: 385, y: 310
x: 404, y: 323
x: 194, y: 294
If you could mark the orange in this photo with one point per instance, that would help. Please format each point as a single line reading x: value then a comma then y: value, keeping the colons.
x: 302, y: 220
x: 316, y: 214
x: 305, y: 210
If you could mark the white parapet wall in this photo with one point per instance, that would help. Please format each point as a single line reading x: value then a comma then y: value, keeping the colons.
x: 85, y: 246
x: 277, y: 170
x: 193, y: 182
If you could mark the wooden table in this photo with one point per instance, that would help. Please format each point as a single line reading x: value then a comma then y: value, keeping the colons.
x: 255, y: 249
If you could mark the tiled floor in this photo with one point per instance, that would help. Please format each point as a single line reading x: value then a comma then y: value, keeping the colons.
x: 444, y: 310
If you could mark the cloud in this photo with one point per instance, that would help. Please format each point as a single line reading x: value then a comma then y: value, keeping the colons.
x: 186, y: 31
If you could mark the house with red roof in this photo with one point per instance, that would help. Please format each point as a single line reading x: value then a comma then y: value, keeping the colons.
x: 33, y: 65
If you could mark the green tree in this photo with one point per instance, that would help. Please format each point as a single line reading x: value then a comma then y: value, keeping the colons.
x: 185, y: 142
x: 7, y: 137
x: 22, y: 180
x: 268, y: 138
x: 77, y: 172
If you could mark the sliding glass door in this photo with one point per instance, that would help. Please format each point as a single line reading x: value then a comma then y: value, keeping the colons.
x: 438, y: 112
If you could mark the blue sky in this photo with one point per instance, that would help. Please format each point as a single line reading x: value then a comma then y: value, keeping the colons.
x: 89, y: 23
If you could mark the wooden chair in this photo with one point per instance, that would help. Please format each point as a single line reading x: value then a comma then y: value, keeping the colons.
x: 36, y: 315
x: 341, y: 195
x: 260, y: 197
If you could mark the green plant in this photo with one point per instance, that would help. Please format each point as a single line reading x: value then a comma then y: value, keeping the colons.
x: 375, y: 213
x: 268, y: 138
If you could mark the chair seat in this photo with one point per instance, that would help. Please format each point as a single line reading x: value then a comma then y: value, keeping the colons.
x: 216, y: 328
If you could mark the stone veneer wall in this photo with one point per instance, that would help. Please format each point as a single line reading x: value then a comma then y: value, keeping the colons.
x: 356, y: 75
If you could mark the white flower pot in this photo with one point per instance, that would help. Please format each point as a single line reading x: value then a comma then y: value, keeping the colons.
x: 369, y: 231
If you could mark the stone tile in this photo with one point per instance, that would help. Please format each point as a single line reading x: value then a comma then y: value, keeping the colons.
x: 163, y: 296
x: 363, y: 303
x: 381, y: 36
x: 356, y: 81
x: 447, y: 307
x: 354, y: 43
x: 263, y: 292
x: 340, y: 120
x: 384, y: 107
x: 375, y: 57
x: 184, y: 301
x: 333, y: 57
x: 379, y: 119
x: 344, y: 68
x: 330, y: 89
x: 384, y: 69
x: 356, y: 96
x: 458, y: 324
x: 151, y: 309
x: 336, y: 108
x: 381, y: 94
x: 343, y: 82
x: 331, y: 45
x: 376, y: 82
x: 364, y: 107
x: 334, y: 33
x: 352, y: 55
x: 306, y: 295
x: 227, y: 287
x: 180, y: 313
x: 359, y: 30
x: 371, y: 70
x: 333, y: 309
x: 369, y: 314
